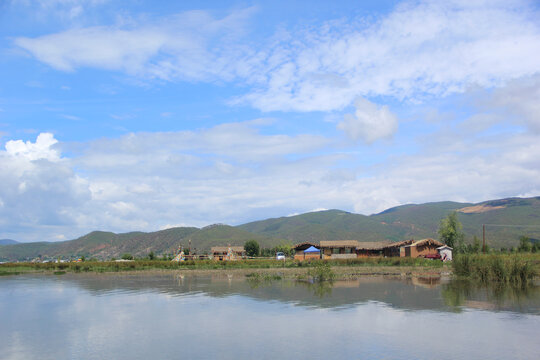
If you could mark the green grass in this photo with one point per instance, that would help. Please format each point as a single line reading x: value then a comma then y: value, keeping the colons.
x: 501, y: 268
x: 140, y: 265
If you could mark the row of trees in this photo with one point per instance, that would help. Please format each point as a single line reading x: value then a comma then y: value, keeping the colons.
x: 253, y: 249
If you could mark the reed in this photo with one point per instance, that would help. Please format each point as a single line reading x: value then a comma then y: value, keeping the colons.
x: 515, y: 268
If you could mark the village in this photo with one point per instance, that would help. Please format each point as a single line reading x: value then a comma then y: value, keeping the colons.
x: 338, y: 249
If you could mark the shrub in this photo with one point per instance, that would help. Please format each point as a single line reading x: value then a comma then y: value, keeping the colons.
x: 322, y: 272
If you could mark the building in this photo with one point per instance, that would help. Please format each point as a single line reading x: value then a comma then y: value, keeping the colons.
x: 421, y: 248
x: 446, y: 252
x: 228, y: 252
x: 340, y: 249
x: 370, y: 248
x: 301, y: 252
x: 393, y: 249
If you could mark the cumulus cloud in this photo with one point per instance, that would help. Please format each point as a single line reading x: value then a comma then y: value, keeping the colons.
x: 42, y: 149
x: 39, y: 189
x: 369, y: 122
x: 233, y: 173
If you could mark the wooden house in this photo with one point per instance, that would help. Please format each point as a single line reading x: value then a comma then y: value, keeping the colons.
x: 340, y: 249
x: 393, y: 249
x: 228, y: 252
x: 421, y: 248
x: 370, y: 248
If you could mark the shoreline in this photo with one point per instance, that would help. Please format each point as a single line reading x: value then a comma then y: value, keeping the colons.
x: 341, y: 272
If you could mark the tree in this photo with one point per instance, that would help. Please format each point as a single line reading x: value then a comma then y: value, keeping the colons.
x: 476, y: 245
x: 252, y: 248
x: 151, y: 255
x: 127, y: 257
x: 524, y: 244
x: 450, y: 231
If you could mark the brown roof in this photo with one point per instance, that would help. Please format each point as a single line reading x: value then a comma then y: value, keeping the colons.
x: 371, y: 245
x: 399, y: 243
x: 305, y: 245
x: 425, y: 242
x: 339, y: 243
x: 225, y: 249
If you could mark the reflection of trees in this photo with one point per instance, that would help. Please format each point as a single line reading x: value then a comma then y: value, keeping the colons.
x: 468, y: 293
x: 319, y: 288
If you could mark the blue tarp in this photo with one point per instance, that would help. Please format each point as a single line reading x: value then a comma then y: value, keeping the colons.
x: 312, y: 249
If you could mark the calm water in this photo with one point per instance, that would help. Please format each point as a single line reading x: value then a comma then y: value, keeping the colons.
x: 173, y: 317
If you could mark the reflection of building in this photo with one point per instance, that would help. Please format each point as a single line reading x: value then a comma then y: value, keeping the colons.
x: 421, y: 248
x: 428, y: 282
x: 228, y: 252
x: 300, y: 253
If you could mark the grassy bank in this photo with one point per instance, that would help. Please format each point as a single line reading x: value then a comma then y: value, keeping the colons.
x: 142, y: 265
x: 502, y: 268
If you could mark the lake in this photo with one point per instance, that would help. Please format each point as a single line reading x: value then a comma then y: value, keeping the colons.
x: 172, y: 316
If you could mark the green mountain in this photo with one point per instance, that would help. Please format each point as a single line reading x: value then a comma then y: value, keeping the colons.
x: 506, y: 220
x: 324, y: 225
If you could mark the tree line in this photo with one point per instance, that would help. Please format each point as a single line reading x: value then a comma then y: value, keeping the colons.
x: 451, y: 233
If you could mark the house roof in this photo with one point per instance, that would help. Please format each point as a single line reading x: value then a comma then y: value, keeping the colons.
x: 339, y: 244
x: 225, y: 249
x: 399, y: 243
x: 444, y: 247
x: 372, y: 245
x: 425, y: 242
x: 305, y: 245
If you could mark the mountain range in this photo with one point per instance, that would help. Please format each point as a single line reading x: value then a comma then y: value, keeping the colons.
x: 506, y: 220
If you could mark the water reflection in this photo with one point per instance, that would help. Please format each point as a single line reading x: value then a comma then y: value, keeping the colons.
x: 460, y: 294
x: 177, y: 315
x: 320, y: 288
x: 410, y: 293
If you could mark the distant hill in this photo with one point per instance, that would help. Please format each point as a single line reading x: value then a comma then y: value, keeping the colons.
x: 325, y: 225
x: 105, y: 245
x: 506, y: 219
x: 8, y: 242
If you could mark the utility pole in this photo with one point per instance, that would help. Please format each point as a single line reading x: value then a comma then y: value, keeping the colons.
x: 484, y: 238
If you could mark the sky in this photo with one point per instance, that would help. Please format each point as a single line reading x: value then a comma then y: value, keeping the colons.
x: 145, y: 115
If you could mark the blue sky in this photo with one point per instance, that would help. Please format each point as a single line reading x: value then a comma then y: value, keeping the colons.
x: 146, y: 115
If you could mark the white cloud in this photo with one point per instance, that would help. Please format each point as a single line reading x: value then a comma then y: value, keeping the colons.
x: 520, y: 101
x: 420, y: 49
x: 369, y: 122
x: 233, y: 173
x: 40, y: 192
x: 176, y: 47
x: 42, y: 149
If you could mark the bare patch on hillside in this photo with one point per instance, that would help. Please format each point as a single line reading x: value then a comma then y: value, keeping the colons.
x: 479, y: 209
